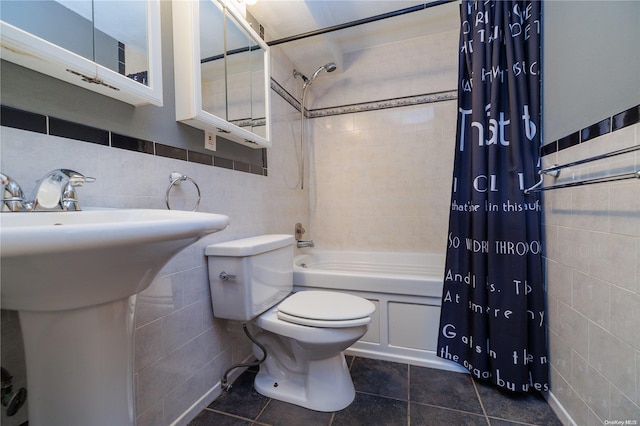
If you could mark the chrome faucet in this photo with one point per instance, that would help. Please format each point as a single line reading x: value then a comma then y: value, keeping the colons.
x: 302, y: 244
x: 11, y: 194
x: 56, y: 190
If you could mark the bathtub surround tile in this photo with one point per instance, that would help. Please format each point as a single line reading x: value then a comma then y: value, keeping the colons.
x: 371, y: 406
x: 594, y: 337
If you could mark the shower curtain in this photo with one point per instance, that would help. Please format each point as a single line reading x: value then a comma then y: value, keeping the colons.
x: 493, y: 314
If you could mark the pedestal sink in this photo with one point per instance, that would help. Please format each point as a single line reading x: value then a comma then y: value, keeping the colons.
x: 73, y: 277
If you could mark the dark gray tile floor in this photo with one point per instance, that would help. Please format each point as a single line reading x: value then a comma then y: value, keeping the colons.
x: 387, y: 393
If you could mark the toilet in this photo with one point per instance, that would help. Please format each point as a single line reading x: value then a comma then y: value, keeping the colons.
x: 304, y: 333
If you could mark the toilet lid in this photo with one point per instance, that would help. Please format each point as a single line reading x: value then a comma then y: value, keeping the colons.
x: 323, y: 307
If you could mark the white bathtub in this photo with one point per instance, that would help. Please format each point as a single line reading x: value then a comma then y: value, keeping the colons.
x: 406, y: 289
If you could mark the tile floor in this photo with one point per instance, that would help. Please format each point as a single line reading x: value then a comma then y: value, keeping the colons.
x: 387, y: 393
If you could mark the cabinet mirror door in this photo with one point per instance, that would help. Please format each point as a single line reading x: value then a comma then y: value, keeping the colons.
x: 221, y: 72
x: 108, y: 47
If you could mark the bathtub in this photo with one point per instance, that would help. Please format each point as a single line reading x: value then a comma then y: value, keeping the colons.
x: 406, y: 289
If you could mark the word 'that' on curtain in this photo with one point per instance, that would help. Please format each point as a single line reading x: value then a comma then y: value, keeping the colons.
x: 493, y: 317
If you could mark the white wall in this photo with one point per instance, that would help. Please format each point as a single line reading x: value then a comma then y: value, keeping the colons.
x: 591, y: 62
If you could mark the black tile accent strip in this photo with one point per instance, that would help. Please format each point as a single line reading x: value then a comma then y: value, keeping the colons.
x: 569, y: 141
x: 196, y: 157
x: 71, y: 130
x: 25, y: 120
x: 626, y: 118
x: 18, y: 119
x: 550, y: 148
x: 595, y: 130
x: 223, y: 162
x: 132, y: 144
x: 171, y: 152
x: 243, y: 167
x: 609, y: 124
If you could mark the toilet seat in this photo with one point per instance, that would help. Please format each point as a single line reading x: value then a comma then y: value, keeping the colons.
x: 325, y: 309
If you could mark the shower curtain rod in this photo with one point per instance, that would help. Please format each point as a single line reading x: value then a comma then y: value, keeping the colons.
x: 555, y: 172
x: 359, y: 22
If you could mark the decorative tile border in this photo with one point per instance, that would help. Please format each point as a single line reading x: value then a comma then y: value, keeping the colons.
x: 284, y: 94
x: 608, y: 125
x: 365, y: 106
x: 24, y: 120
x: 385, y: 104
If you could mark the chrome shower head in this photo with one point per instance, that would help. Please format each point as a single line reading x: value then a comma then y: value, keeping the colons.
x: 330, y: 67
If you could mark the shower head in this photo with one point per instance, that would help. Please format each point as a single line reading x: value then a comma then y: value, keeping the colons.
x: 330, y: 67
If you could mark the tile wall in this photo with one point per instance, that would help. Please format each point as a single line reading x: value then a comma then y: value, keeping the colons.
x: 380, y: 174
x: 593, y: 276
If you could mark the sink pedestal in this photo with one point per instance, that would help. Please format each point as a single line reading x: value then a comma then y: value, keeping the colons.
x: 73, y: 277
x: 80, y: 365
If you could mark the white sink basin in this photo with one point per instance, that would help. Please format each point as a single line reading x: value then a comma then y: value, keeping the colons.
x: 72, y: 277
x: 65, y: 260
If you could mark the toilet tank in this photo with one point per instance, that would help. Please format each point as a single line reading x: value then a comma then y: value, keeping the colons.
x: 259, y: 274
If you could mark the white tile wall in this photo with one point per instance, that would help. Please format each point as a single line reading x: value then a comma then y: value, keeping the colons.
x: 593, y: 271
x: 381, y: 180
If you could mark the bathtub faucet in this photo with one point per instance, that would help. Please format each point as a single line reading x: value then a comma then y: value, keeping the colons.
x: 302, y: 244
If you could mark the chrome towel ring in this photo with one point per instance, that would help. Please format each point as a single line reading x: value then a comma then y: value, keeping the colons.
x: 176, y: 178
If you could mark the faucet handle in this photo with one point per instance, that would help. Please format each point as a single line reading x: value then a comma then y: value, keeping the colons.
x: 11, y: 194
x: 77, y: 179
x: 69, y: 195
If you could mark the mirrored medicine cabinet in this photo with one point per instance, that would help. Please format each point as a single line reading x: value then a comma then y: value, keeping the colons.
x: 109, y: 47
x: 221, y: 73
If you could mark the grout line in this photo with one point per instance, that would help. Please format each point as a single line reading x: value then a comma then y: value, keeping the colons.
x: 228, y: 414
x: 450, y: 409
x: 516, y: 422
x: 475, y: 387
x: 263, y: 409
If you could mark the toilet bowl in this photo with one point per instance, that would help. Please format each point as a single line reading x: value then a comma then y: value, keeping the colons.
x: 304, y: 333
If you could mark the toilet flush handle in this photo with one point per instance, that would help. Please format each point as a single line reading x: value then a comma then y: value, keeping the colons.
x: 224, y: 276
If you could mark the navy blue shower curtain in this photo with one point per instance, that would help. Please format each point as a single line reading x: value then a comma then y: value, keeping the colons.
x: 493, y: 304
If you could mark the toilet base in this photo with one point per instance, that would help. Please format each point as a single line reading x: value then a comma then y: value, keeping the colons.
x: 327, y: 386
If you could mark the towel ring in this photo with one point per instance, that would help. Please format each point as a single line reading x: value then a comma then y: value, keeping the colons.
x: 177, y: 178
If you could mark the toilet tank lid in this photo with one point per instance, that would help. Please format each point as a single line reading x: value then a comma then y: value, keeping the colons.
x: 249, y: 246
